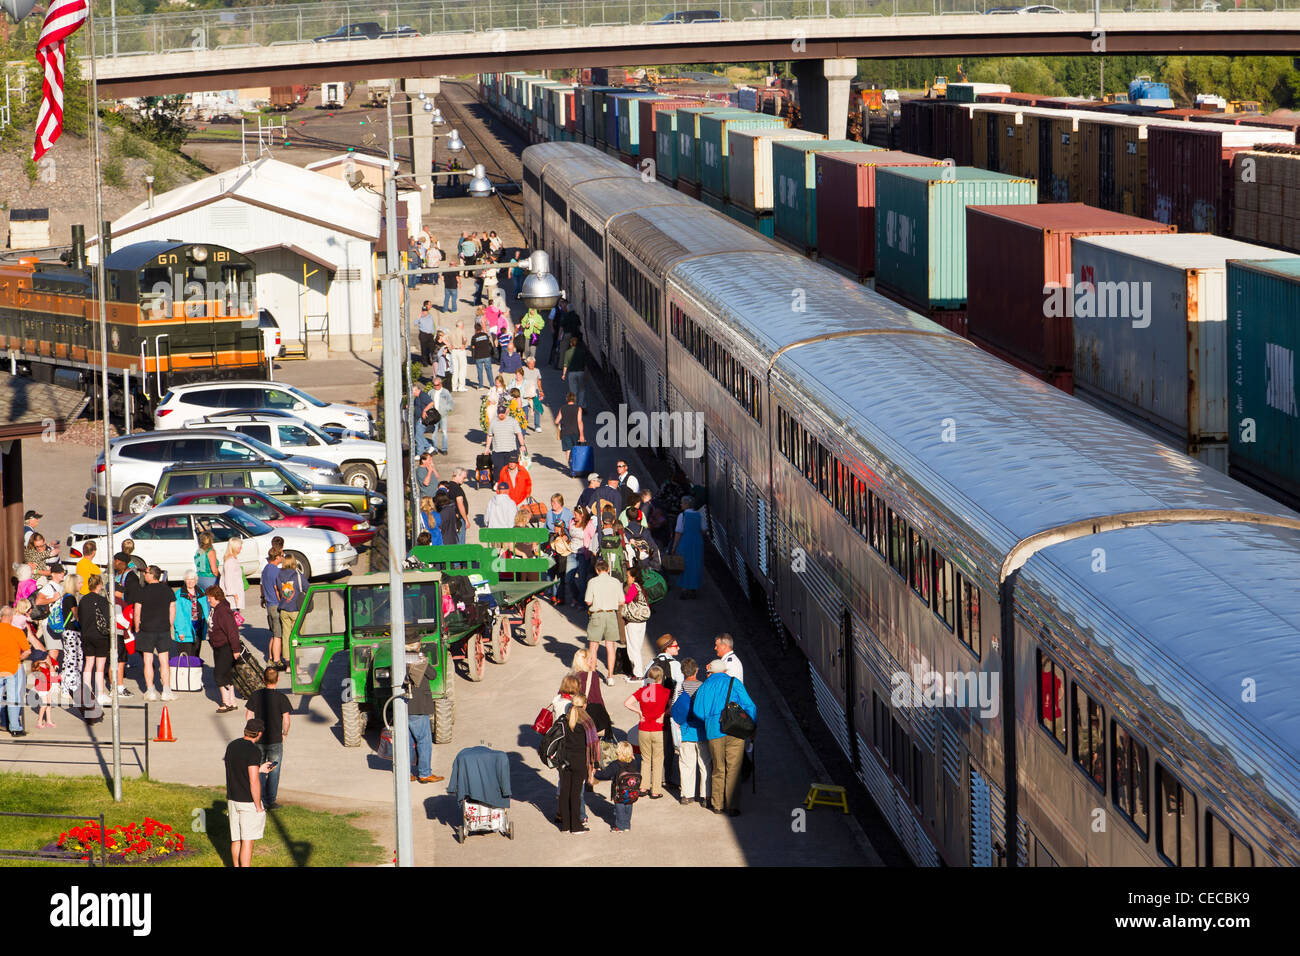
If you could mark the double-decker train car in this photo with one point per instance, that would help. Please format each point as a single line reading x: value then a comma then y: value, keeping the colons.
x: 1039, y: 636
x: 177, y: 312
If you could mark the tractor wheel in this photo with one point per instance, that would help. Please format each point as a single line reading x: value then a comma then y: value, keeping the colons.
x: 354, y: 724
x: 474, y: 657
x: 444, y: 719
x: 501, y: 642
x: 532, y: 622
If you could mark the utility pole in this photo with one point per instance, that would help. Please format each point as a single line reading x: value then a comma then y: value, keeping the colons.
x: 391, y: 338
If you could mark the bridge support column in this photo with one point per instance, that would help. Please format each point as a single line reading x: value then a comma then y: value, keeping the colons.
x: 420, y: 127
x: 824, y: 94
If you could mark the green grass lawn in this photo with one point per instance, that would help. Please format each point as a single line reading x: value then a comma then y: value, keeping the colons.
x: 294, y: 836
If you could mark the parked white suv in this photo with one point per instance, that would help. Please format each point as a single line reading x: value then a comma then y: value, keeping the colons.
x: 139, y: 460
x: 185, y: 403
x: 361, y: 461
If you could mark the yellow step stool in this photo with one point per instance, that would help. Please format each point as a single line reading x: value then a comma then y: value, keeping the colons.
x: 826, y: 795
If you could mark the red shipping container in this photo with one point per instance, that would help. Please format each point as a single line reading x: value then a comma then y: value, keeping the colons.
x: 846, y: 205
x: 954, y: 320
x: 690, y: 189
x: 569, y: 103
x: 957, y: 134
x: 1057, y: 378
x: 1185, y: 177
x: 1245, y: 119
x: 1013, y: 254
x: 648, y: 111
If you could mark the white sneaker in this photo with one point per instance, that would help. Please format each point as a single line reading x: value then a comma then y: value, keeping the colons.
x: 170, y: 694
x: 105, y: 700
x: 124, y: 692
x: 152, y: 695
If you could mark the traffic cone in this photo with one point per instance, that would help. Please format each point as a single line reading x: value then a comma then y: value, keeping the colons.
x: 165, y: 729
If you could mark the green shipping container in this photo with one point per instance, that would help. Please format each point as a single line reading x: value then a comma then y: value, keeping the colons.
x: 794, y: 171
x: 762, y: 222
x: 666, y: 145
x: 688, y: 135
x: 1263, y: 342
x: 713, y: 145
x: 921, y: 227
x: 717, y: 202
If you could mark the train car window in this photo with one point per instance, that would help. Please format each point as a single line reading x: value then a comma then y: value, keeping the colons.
x: 898, y: 544
x: 879, y: 723
x: 918, y: 777
x: 155, y: 282
x: 1051, y: 698
x: 530, y: 180
x: 945, y: 589
x: 879, y: 522
x: 918, y: 565
x: 1175, y: 819
x: 1089, y: 736
x: 810, y: 456
x: 1223, y: 847
x: 1129, y: 776
x: 898, y: 750
x: 968, y: 615
x: 824, y: 477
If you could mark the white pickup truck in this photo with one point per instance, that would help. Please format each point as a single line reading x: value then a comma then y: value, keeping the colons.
x: 362, y: 462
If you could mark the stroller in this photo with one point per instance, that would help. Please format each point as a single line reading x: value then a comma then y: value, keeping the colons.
x: 480, y: 781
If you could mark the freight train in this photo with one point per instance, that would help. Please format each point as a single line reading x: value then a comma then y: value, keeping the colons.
x: 178, y: 312
x: 1014, y: 607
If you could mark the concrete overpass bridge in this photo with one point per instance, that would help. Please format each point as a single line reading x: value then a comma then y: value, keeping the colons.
x: 276, y: 45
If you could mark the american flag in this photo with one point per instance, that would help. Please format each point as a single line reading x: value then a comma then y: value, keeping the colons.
x: 63, y: 19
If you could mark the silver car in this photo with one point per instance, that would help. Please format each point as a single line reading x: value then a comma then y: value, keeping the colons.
x: 139, y: 460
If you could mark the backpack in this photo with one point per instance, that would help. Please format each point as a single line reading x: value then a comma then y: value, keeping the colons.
x: 551, y: 749
x: 627, y: 786
x: 55, y: 623
x: 287, y: 590
x: 665, y: 662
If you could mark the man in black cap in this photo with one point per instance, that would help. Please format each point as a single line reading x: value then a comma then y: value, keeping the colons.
x: 30, y: 520
x: 127, y: 589
x: 244, y: 767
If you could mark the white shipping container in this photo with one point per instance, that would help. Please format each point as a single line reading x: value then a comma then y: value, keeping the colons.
x: 747, y: 98
x: 1151, y: 334
x: 749, y: 164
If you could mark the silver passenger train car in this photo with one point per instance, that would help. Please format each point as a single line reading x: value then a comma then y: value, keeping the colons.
x: 1039, y: 636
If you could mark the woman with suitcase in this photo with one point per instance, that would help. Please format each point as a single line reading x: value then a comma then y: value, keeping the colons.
x: 223, y: 635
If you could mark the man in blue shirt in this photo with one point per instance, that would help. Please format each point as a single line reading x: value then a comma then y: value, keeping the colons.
x: 271, y: 601
x: 511, y: 362
x: 726, y: 753
x: 424, y: 325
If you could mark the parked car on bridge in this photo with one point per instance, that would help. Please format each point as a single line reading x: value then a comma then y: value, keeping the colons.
x: 690, y: 16
x: 279, y: 514
x: 368, y: 30
x: 168, y: 537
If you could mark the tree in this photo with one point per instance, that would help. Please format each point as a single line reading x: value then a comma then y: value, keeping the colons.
x: 162, y: 121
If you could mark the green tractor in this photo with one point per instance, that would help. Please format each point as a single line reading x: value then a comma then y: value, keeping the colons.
x: 353, y: 617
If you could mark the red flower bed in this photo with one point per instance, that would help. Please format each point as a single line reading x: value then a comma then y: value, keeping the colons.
x: 129, y: 843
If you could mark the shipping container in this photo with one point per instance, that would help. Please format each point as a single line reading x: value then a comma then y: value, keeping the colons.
x: 760, y: 222
x: 1050, y: 153
x: 747, y: 98
x: 997, y: 138
x: 915, y: 131
x: 1287, y: 122
x: 629, y: 121
x: 688, y: 135
x: 618, y: 110
x: 666, y: 145
x: 1019, y: 273
x: 1113, y: 164
x: 1263, y: 341
x: 648, y: 111
x: 967, y: 92
x: 713, y: 145
x: 1187, y: 165
x: 689, y: 189
x: 952, y: 133
x: 1151, y: 334
x: 750, y: 184
x: 921, y: 227
x: 713, y: 200
x: 795, y: 177
x: 846, y: 205
x: 1266, y: 196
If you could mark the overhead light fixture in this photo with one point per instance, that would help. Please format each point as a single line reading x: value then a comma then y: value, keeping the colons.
x: 17, y: 9
x: 428, y: 106
x: 437, y: 117
x: 479, y: 185
x: 454, y: 145
x: 540, y: 290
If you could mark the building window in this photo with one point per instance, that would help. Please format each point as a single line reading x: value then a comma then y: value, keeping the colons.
x: 1223, y: 847
x: 1051, y: 698
x: 1089, y: 737
x: 1175, y: 819
x: 1129, y: 776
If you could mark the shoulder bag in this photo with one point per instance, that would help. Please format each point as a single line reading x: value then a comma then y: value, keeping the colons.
x: 638, y: 612
x: 734, y: 722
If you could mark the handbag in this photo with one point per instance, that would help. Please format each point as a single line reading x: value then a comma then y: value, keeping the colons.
x: 239, y: 619
x: 673, y: 562
x: 545, y: 718
x: 638, y: 612
x: 560, y: 545
x: 734, y: 722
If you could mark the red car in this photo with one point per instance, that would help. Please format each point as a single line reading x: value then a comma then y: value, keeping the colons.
x: 280, y: 515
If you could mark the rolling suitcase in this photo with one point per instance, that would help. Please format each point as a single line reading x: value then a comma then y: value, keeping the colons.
x: 248, y: 677
x: 582, y: 459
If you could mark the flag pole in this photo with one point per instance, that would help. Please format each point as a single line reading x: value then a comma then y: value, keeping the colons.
x: 99, y: 285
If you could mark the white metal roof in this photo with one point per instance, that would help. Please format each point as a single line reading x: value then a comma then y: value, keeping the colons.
x: 286, y: 189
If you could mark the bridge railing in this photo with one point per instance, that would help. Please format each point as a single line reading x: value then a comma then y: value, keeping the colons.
x: 239, y: 27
